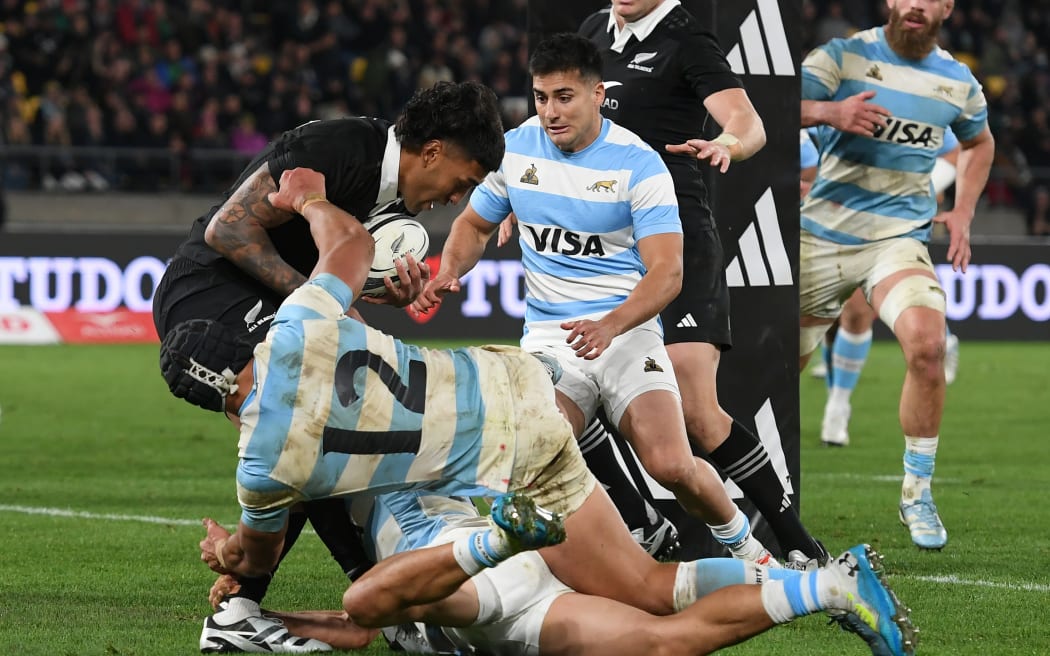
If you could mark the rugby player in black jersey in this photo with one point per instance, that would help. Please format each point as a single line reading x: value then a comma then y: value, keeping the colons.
x: 664, y: 73
x: 244, y: 256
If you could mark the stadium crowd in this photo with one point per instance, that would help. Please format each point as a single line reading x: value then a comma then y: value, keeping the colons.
x: 211, y: 75
x: 208, y: 79
x: 1006, y: 43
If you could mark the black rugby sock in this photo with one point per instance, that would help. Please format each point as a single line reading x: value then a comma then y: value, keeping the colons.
x: 744, y: 459
x: 598, y: 449
x: 331, y: 519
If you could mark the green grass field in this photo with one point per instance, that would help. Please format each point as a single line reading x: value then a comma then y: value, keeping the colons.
x: 105, y: 477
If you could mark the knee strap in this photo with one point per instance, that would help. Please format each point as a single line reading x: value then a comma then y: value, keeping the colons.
x: 913, y: 291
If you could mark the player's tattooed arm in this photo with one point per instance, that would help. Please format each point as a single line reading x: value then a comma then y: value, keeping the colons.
x: 238, y: 233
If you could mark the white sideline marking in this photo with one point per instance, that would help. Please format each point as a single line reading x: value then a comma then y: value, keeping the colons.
x: 878, y: 478
x: 79, y: 514
x: 955, y: 580
x: 949, y: 579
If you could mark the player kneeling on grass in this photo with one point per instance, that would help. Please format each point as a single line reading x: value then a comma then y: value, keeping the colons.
x: 328, y: 407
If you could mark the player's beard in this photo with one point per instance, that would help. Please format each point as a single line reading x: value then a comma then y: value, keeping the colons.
x: 909, y: 43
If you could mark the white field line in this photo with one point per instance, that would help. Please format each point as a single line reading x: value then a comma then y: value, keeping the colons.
x: 111, y: 517
x: 876, y: 478
x: 949, y: 579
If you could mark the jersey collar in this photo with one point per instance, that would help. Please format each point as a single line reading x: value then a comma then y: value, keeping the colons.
x: 640, y: 28
x: 388, y: 170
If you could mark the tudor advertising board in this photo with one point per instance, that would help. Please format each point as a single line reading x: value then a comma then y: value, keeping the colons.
x: 1005, y: 294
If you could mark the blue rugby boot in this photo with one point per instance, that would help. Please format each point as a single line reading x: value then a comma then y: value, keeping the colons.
x: 923, y: 522
x: 873, y: 611
x: 532, y: 527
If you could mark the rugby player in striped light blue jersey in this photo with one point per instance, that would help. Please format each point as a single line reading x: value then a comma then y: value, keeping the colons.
x: 891, y: 93
x: 601, y: 243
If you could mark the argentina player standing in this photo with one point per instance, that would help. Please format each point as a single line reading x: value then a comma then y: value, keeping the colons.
x: 869, y: 214
x: 602, y: 252
x: 664, y: 74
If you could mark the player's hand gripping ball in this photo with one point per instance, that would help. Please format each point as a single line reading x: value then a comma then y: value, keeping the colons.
x: 396, y: 235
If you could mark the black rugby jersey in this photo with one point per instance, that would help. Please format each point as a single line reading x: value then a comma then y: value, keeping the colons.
x: 656, y: 88
x: 348, y: 151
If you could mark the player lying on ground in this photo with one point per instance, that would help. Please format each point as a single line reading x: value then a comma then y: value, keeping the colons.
x: 519, y: 608
x: 329, y: 407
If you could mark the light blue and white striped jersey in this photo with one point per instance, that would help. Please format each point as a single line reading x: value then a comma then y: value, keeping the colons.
x: 808, y: 156
x: 406, y: 520
x: 580, y: 216
x: 338, y: 408
x: 874, y: 188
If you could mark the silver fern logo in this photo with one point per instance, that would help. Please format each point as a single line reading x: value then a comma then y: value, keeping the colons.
x: 639, y: 59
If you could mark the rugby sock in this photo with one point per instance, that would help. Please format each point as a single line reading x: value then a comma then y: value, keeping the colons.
x: 596, y: 444
x: 807, y: 593
x: 481, y: 549
x: 848, y: 355
x: 237, y: 609
x: 829, y: 375
x: 736, y: 536
x: 745, y: 460
x: 825, y: 352
x: 255, y: 587
x: 919, y: 456
x: 702, y: 577
x: 331, y: 520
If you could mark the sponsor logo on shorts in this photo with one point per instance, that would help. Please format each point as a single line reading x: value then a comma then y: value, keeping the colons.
x: 687, y: 321
x: 652, y: 365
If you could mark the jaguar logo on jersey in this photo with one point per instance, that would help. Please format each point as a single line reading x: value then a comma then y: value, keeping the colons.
x: 603, y: 185
x: 529, y: 176
x: 565, y: 242
x: 944, y: 90
x: 874, y: 72
x: 640, y: 59
x: 910, y: 133
x: 651, y: 365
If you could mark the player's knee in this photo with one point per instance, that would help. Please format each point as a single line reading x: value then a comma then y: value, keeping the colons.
x: 672, y: 473
x: 924, y: 352
x: 360, y: 605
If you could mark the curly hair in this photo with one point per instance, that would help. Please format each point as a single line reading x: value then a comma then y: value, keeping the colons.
x: 464, y: 113
x: 566, y: 52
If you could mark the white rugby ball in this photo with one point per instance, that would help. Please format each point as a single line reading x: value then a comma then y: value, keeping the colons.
x: 396, y: 235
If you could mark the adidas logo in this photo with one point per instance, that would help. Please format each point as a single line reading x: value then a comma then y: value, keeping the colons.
x: 687, y: 321
x: 752, y: 243
x: 755, y: 48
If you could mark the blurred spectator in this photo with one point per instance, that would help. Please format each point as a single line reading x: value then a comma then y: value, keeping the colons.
x: 197, y: 76
x: 109, y: 66
x: 245, y: 138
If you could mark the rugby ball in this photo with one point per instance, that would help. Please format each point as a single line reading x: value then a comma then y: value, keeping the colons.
x: 396, y: 235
